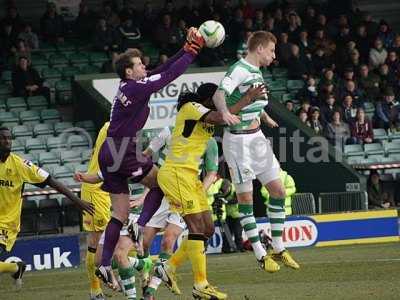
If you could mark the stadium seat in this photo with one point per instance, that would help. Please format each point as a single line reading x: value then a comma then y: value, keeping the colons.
x: 61, y: 127
x: 394, y: 157
x: 44, y: 130
x: 98, y: 58
x: 3, y: 105
x: 69, y: 72
x: 39, y: 62
x: 49, y: 216
x: 8, y: 117
x: 33, y: 157
x: 62, y: 171
x: 18, y: 146
x: 81, y: 168
x: 294, y: 85
x: 277, y: 86
x: 31, y: 117
x: 380, y: 134
x: 5, y: 90
x: 77, y: 142
x: 89, y: 69
x: 392, y: 147
x: 37, y: 102
x: 21, y: 131
x: 51, y: 76
x: 394, y: 135
x: 353, y: 160
x: 70, y: 156
x: 303, y: 204
x: 88, y: 126
x: 35, y: 145
x: 6, y: 77
x: 369, y: 107
x: 29, y: 215
x: 49, y: 158
x: 353, y: 150
x: 16, y: 104
x: 86, y: 155
x: 63, y: 92
x: 56, y: 144
x: 50, y: 116
x: 373, y: 148
x: 79, y: 59
x: 279, y: 72
x: 71, y: 215
x: 58, y: 60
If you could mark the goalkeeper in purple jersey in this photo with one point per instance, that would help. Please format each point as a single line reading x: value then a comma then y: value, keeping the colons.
x: 120, y: 160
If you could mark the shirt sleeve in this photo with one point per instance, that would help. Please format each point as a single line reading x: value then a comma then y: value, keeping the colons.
x: 30, y: 173
x: 211, y: 156
x: 168, y: 63
x: 231, y: 81
x: 194, y: 111
x: 161, y: 140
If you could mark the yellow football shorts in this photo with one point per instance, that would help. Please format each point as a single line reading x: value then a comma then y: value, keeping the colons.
x: 8, y: 238
x: 102, y: 214
x: 183, y: 190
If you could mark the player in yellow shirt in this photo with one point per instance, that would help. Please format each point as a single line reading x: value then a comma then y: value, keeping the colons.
x: 95, y: 224
x: 178, y: 178
x: 14, y: 173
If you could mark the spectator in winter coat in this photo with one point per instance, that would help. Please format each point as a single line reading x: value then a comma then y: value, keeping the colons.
x: 377, y: 54
x: 361, y: 129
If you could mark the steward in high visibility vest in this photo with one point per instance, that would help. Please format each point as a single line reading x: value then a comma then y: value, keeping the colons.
x: 290, y: 188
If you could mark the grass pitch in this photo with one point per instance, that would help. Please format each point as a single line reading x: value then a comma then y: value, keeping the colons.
x: 345, y: 272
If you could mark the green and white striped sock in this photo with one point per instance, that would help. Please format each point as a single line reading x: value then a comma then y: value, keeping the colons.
x: 128, y: 282
x: 276, y: 215
x: 249, y: 225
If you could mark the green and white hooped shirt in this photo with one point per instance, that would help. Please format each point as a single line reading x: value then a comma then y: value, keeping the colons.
x: 239, y: 78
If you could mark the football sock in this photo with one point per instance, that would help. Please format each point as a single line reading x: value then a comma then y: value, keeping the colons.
x: 249, y: 225
x: 128, y: 281
x: 156, y: 281
x: 197, y: 257
x: 111, y: 237
x: 180, y: 255
x: 95, y: 287
x: 276, y: 215
x: 8, y: 267
x: 150, y: 205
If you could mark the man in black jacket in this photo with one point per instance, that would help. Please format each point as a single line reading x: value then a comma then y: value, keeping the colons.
x: 26, y: 81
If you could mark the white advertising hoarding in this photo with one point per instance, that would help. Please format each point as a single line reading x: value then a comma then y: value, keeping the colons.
x: 162, y: 103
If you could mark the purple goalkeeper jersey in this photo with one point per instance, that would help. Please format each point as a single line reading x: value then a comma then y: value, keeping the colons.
x: 130, y: 108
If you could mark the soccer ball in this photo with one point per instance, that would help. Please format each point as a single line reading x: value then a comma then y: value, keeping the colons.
x: 213, y: 33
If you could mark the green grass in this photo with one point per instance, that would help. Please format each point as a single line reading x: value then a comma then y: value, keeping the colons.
x: 345, y: 272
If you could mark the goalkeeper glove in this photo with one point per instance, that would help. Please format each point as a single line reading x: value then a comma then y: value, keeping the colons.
x: 194, y: 42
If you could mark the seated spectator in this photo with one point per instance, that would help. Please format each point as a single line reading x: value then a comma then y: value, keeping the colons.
x: 328, y: 78
x: 128, y: 35
x: 396, y: 45
x: 52, y: 25
x: 387, y: 78
x: 147, y: 62
x: 104, y: 37
x: 321, y: 61
x: 259, y: 20
x: 293, y: 27
x: 297, y: 67
x: 351, y: 90
x: 304, y: 43
x: 269, y: 25
x: 85, y: 22
x: 13, y: 18
x: 321, y: 41
x: 385, y: 34
x: 349, y: 109
x: 387, y: 114
x: 27, y: 82
x: 22, y: 50
x: 337, y: 131
x: 182, y: 30
x: 393, y: 62
x: 314, y: 120
x: 209, y: 57
x: 309, y: 91
x: 289, y: 105
x: 355, y: 61
x: 369, y: 82
x: 166, y: 36
x: 8, y: 39
x: 108, y: 14
x: 378, y: 197
x: 328, y: 108
x: 109, y: 66
x: 362, y: 41
x: 377, y: 54
x: 303, y: 116
x: 241, y: 51
x: 305, y: 107
x: 361, y: 129
x: 283, y: 50
x: 30, y: 38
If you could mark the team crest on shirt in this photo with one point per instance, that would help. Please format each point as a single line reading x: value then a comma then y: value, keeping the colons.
x: 28, y: 163
x: 8, y: 171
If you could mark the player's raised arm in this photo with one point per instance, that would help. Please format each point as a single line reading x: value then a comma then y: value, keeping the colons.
x: 87, y: 177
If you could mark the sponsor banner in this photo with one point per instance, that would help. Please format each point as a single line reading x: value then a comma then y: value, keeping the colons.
x: 323, y: 230
x: 163, y: 102
x: 46, y: 253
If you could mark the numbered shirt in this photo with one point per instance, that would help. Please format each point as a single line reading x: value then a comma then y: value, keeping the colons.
x: 189, y: 137
x: 239, y: 78
x: 14, y: 173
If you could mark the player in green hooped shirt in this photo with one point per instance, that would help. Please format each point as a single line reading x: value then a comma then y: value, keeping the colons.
x: 249, y: 154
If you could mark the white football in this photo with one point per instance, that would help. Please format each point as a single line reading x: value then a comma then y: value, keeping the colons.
x: 213, y: 33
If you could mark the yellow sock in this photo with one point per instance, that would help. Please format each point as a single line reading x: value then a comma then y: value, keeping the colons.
x: 8, y: 267
x: 180, y: 255
x: 197, y: 256
x: 95, y: 287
